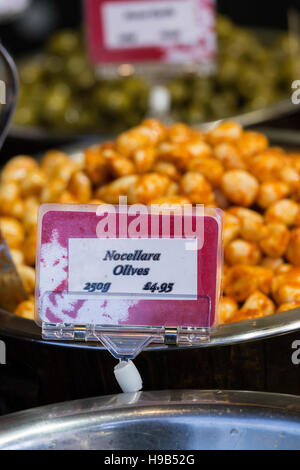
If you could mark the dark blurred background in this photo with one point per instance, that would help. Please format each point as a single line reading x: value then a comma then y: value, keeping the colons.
x: 29, y: 30
x: 33, y: 26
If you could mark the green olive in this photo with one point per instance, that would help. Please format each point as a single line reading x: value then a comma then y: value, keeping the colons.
x: 75, y: 65
x: 178, y: 91
x: 26, y: 116
x: 56, y: 103
x: 59, y: 88
x: 30, y: 72
x: 64, y: 42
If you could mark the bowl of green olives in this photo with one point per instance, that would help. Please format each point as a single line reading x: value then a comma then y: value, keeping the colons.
x: 63, y: 96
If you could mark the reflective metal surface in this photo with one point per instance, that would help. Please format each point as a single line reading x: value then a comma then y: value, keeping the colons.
x: 167, y: 420
x: 9, y: 76
x: 251, y: 330
x: 250, y: 118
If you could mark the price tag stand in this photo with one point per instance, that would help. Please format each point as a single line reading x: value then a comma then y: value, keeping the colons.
x: 157, y: 39
x: 128, y: 276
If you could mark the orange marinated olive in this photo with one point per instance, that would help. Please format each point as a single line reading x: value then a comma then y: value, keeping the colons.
x: 12, y: 231
x: 283, y: 268
x: 295, y: 160
x: 229, y: 156
x: 11, y: 203
x: 289, y: 292
x: 284, y: 211
x: 27, y: 274
x: 29, y: 248
x: 286, y: 286
x: 67, y: 197
x: 231, y: 228
x: 150, y: 132
x: 287, y: 306
x: 220, y: 199
x: 271, y: 191
x: 179, y: 132
x: 17, y: 169
x: 252, y: 226
x: 196, y: 148
x: 96, y: 165
x: 148, y: 187
x: 111, y: 192
x: 266, y: 166
x: 173, y: 153
x: 34, y: 182
x: 30, y: 215
x: 242, y: 252
x: 276, y: 240
x: 242, y: 280
x: 52, y: 161
x: 291, y: 176
x: 272, y: 263
x: 168, y: 169
x: 96, y: 201
x: 171, y: 201
x: 26, y: 309
x: 118, y: 165
x: 157, y: 130
x: 130, y: 141
x: 143, y: 159
x: 196, y: 187
x: 240, y: 187
x: 121, y: 166
x: 227, y: 309
x: 293, y: 249
x: 80, y: 187
x: 225, y: 132
x: 251, y: 143
x: 53, y: 190
x: 17, y: 256
x: 208, y: 167
x: 256, y: 305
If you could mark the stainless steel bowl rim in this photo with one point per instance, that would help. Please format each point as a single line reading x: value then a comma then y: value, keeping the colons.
x: 109, y: 412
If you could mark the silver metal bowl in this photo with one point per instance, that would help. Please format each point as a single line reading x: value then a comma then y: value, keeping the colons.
x: 167, y: 420
x: 250, y: 330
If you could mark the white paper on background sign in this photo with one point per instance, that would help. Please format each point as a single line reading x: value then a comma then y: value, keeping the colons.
x: 142, y: 24
x: 169, y: 32
x: 172, y: 23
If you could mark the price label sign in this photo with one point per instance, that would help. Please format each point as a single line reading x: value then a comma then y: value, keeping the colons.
x: 98, y: 265
x: 169, y: 31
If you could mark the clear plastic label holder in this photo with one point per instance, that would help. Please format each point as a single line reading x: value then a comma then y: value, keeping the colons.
x: 103, y: 276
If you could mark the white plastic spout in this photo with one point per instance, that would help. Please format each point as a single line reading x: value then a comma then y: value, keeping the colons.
x: 128, y: 377
x: 159, y: 100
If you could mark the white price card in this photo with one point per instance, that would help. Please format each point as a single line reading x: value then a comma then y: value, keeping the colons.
x: 123, y: 267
